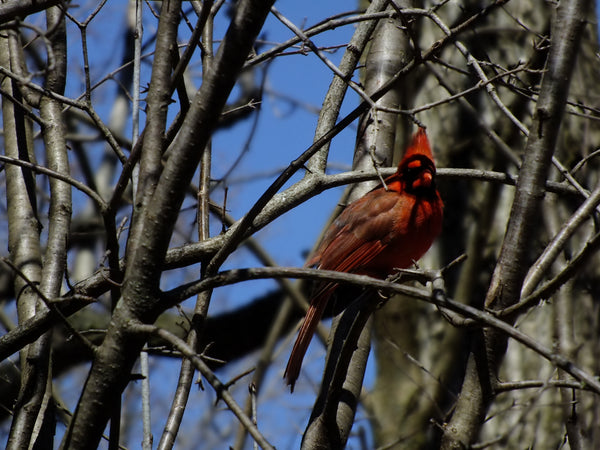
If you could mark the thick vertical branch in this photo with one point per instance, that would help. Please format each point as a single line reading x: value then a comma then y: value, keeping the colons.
x: 186, y: 373
x: 25, y: 252
x: 23, y: 224
x: 54, y: 133
x: 564, y: 326
x: 157, y: 100
x: 512, y: 264
x: 348, y: 350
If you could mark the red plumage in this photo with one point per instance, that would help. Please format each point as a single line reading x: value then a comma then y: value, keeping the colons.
x: 386, y: 229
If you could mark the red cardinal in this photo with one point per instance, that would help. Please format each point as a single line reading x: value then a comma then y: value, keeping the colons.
x: 389, y: 228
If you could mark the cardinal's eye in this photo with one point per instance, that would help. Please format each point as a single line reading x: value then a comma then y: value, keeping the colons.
x: 423, y: 181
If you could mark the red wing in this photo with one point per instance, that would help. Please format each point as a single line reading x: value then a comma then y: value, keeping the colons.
x: 359, y: 234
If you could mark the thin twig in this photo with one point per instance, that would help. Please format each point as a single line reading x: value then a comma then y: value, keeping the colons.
x: 209, y: 375
x: 306, y: 41
x: 59, y: 176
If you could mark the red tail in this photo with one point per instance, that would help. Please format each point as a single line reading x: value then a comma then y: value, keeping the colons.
x: 311, y: 320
